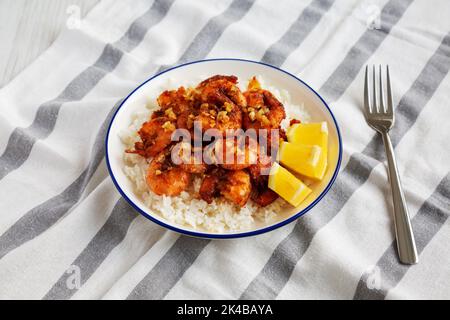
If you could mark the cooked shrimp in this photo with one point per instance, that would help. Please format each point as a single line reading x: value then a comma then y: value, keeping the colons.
x: 163, y: 178
x: 236, y: 153
x: 221, y: 102
x: 263, y: 197
x: 261, y: 167
x: 185, y: 120
x: 232, y: 79
x: 232, y: 185
x: 261, y: 194
x: 194, y: 167
x: 263, y: 110
x: 178, y: 105
x: 209, y: 189
x: 190, y: 160
x: 237, y: 187
x: 155, y: 136
x: 222, y: 118
x: 220, y: 89
x: 178, y: 100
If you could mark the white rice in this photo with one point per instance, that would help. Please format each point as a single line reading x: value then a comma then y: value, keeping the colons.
x: 187, y: 209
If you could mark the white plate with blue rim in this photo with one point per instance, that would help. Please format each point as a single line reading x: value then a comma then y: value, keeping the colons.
x: 300, y: 94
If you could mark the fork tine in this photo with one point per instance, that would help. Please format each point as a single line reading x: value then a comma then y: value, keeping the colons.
x: 389, y: 102
x: 381, y: 91
x: 374, y: 91
x: 366, y: 92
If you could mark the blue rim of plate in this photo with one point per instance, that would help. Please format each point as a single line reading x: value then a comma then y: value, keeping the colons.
x: 226, y: 235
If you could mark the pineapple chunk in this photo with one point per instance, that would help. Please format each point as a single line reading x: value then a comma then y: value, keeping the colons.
x: 308, y: 160
x: 309, y: 133
x: 287, y: 186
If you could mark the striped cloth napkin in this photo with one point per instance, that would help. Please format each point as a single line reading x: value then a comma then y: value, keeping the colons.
x: 65, y: 233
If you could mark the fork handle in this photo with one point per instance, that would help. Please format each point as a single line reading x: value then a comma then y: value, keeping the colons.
x: 403, y: 231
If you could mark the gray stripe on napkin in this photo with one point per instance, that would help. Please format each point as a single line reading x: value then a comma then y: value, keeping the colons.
x: 358, y: 55
x: 166, y: 273
x: 206, y: 39
x: 22, y: 140
x: 272, y: 278
x: 43, y: 216
x: 202, y: 47
x: 291, y: 40
x: 430, y: 218
x: 109, y: 236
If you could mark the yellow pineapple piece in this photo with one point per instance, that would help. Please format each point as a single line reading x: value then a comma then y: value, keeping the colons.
x: 308, y: 160
x: 287, y: 186
x: 309, y: 133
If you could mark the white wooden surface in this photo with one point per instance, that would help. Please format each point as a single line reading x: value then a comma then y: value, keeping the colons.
x: 28, y: 27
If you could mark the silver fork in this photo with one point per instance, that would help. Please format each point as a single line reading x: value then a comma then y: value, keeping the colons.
x: 380, y: 117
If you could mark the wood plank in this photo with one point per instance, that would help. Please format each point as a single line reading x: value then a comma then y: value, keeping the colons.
x: 29, y: 27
